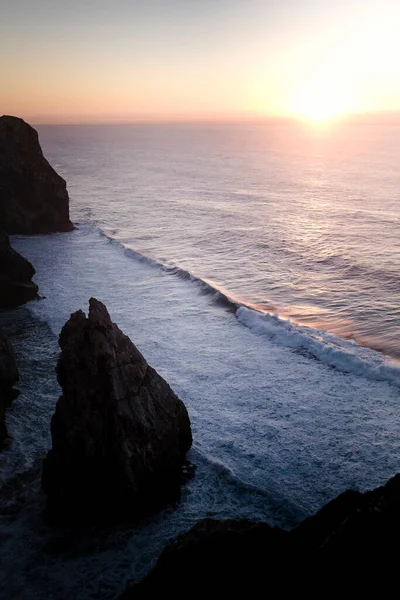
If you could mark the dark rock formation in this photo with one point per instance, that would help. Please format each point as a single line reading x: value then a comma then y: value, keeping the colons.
x: 119, y: 432
x: 16, y: 286
x: 354, y: 524
x: 350, y: 544
x: 33, y: 197
x: 216, y: 559
x: 8, y: 377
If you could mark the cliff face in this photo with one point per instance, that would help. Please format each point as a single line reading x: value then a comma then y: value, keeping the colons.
x: 8, y: 377
x: 119, y: 433
x: 16, y: 272
x: 33, y: 197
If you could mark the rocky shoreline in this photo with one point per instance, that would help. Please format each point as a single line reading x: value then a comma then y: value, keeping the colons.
x: 120, y: 435
x: 16, y: 272
x: 8, y: 378
x: 351, y: 534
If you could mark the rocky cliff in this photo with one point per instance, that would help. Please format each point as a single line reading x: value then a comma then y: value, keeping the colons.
x: 350, y: 544
x: 8, y: 377
x: 119, y: 433
x: 16, y: 272
x: 33, y: 197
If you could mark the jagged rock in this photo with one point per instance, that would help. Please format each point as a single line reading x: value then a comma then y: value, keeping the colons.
x: 16, y: 272
x: 8, y: 377
x: 354, y: 524
x: 349, y: 544
x: 119, y: 433
x: 220, y: 558
x: 33, y: 197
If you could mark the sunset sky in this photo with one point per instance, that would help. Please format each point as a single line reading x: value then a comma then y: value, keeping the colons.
x: 129, y: 60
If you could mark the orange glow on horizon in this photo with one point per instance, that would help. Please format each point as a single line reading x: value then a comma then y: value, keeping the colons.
x: 318, y: 62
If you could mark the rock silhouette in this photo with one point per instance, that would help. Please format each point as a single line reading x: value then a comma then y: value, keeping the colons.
x: 16, y: 272
x: 33, y: 197
x: 349, y: 544
x: 8, y: 377
x: 119, y: 433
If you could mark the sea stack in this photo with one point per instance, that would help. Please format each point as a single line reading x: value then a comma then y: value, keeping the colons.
x: 119, y: 433
x: 16, y: 272
x: 33, y: 197
x: 8, y: 377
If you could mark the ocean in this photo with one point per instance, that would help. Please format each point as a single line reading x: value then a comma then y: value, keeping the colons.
x: 257, y: 269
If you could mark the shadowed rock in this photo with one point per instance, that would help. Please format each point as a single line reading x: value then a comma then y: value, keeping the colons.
x: 350, y: 544
x: 225, y: 559
x: 16, y: 272
x: 8, y: 377
x: 119, y: 433
x: 366, y: 526
x: 33, y: 197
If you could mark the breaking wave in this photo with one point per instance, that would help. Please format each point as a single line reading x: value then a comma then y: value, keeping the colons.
x: 345, y: 355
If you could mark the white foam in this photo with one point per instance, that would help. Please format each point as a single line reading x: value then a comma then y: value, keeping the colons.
x: 347, y: 356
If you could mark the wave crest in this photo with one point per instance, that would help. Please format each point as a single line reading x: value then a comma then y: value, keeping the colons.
x: 344, y: 355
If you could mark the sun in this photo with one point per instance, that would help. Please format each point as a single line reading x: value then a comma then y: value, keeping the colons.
x: 322, y: 100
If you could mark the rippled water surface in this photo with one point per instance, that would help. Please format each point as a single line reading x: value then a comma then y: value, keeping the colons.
x: 300, y: 221
x: 187, y: 235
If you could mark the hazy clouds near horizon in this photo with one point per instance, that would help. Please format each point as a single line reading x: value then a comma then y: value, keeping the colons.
x: 97, y: 59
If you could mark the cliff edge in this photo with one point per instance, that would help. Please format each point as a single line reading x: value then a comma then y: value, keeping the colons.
x: 33, y: 197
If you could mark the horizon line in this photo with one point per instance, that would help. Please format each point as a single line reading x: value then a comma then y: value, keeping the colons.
x: 372, y: 117
x: 378, y: 118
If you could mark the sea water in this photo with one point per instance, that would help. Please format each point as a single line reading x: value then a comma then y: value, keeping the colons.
x: 256, y: 268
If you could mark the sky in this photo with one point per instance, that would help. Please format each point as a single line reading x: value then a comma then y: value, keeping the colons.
x: 182, y: 60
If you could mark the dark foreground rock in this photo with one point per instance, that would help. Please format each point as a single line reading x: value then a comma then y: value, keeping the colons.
x: 33, y: 197
x: 216, y: 559
x: 16, y: 272
x: 354, y: 526
x: 119, y: 433
x: 350, y: 544
x: 8, y: 377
